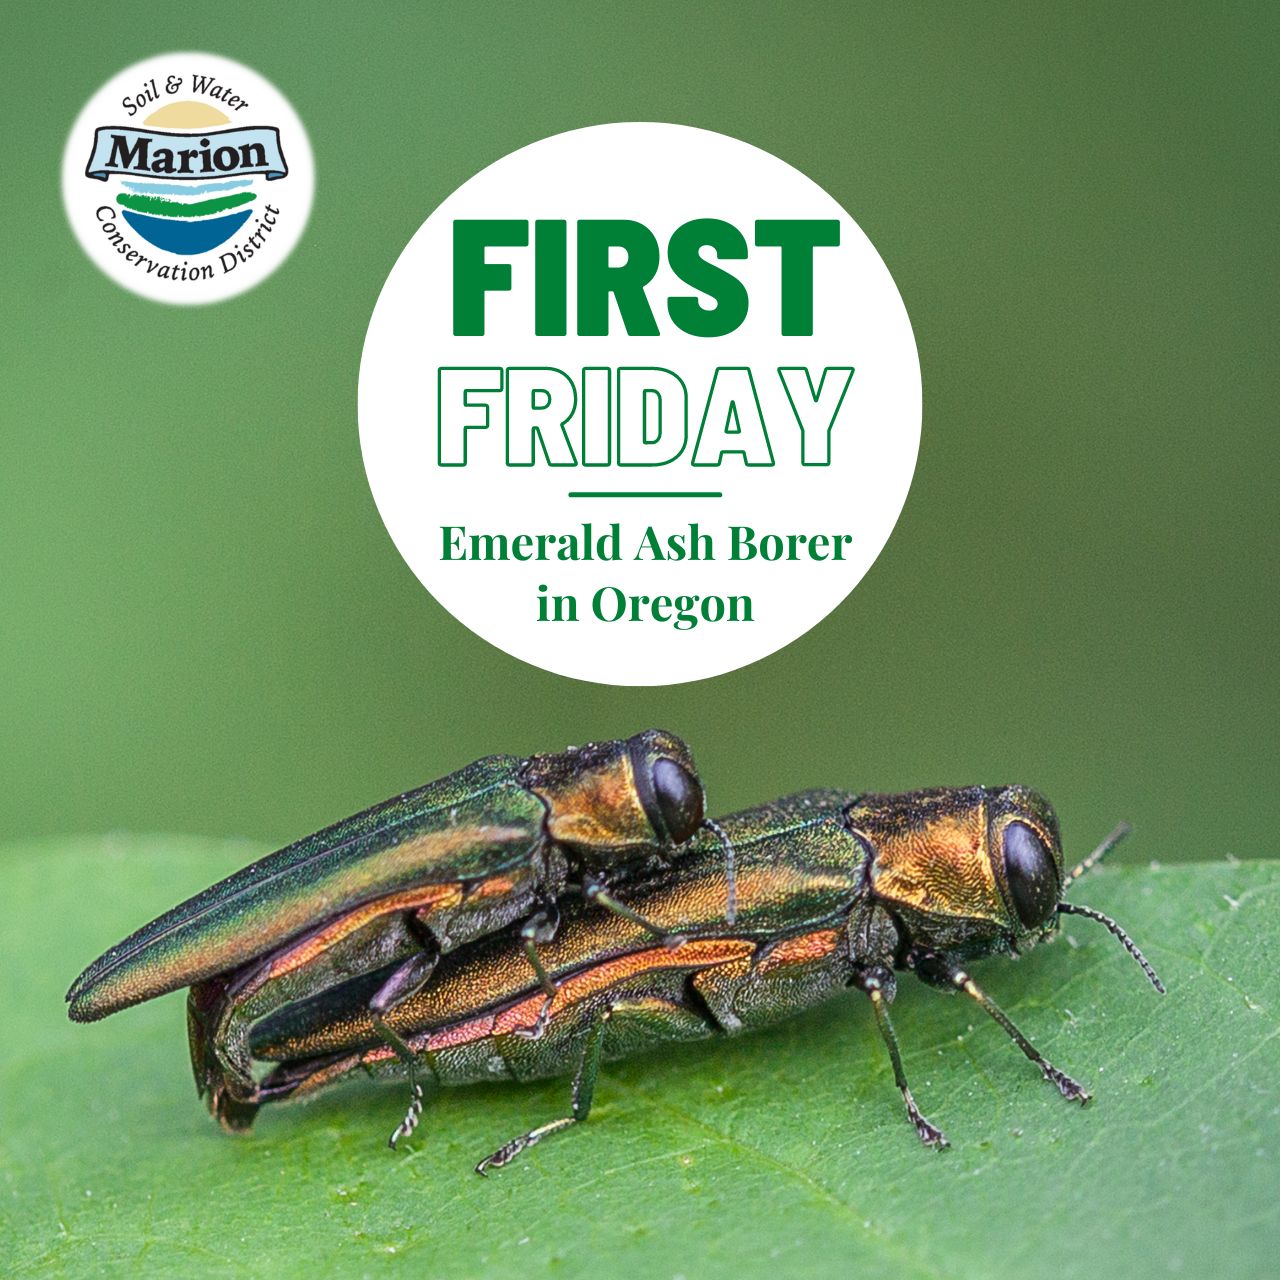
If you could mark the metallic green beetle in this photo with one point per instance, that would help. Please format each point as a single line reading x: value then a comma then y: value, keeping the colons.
x: 395, y: 887
x: 832, y: 891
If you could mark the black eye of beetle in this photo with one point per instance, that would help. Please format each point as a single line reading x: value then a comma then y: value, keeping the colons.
x: 679, y: 799
x: 1032, y: 876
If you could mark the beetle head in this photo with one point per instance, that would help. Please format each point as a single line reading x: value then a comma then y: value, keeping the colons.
x: 968, y: 870
x: 1025, y: 849
x: 608, y: 799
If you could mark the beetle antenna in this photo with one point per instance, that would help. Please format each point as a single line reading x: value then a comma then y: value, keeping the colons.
x: 1122, y: 830
x: 730, y: 870
x: 1071, y: 909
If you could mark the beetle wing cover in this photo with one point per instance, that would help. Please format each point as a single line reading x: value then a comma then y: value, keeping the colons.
x: 797, y: 865
x: 473, y: 823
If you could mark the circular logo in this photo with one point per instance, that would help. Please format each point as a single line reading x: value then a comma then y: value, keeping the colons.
x: 640, y: 404
x: 187, y: 178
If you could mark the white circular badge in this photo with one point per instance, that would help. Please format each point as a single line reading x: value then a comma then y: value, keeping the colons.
x: 640, y: 404
x: 188, y: 178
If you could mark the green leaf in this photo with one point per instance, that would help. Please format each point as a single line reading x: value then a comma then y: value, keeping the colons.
x: 777, y: 1154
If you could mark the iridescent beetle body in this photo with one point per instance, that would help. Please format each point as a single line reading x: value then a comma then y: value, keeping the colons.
x: 832, y: 891
x: 399, y: 885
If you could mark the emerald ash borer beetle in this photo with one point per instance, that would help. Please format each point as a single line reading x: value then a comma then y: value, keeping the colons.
x: 766, y: 913
x: 832, y: 891
x: 394, y: 888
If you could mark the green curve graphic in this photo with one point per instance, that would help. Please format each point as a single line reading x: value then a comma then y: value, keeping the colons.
x: 175, y: 209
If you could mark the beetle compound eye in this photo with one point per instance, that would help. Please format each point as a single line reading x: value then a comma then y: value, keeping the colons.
x: 1032, y: 876
x: 679, y: 799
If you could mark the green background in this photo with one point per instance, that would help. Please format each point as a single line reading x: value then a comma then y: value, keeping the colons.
x: 205, y: 628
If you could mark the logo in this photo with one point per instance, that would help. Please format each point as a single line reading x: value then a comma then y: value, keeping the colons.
x: 188, y: 178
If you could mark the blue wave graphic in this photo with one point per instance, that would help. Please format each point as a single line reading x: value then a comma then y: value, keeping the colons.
x: 185, y: 188
x: 180, y: 235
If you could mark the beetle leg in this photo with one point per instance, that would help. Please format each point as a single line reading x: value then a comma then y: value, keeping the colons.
x: 876, y: 982
x: 584, y: 1084
x: 541, y: 927
x: 1069, y: 1088
x: 594, y: 891
x: 538, y: 928
x: 407, y: 978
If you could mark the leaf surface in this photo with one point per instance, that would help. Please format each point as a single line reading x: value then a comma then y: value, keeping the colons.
x: 782, y: 1153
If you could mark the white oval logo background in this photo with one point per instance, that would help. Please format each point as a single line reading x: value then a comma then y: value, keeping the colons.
x: 660, y: 175
x: 197, y: 229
